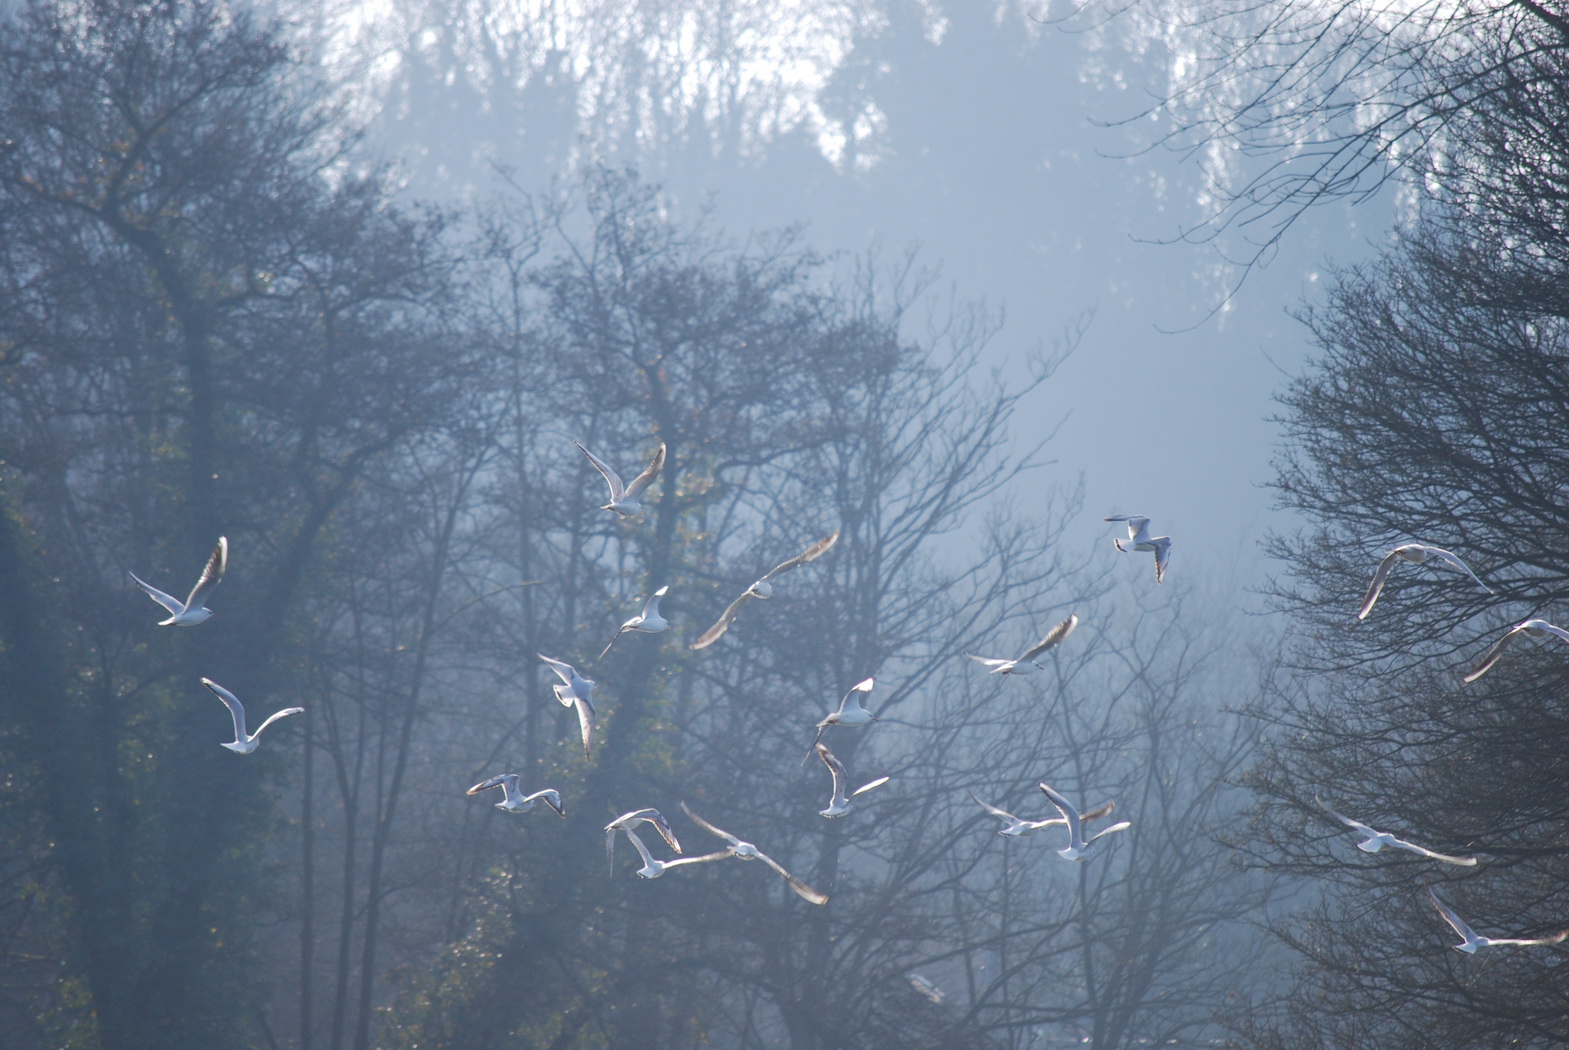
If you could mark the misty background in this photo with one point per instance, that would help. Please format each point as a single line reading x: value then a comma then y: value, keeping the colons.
x: 952, y: 282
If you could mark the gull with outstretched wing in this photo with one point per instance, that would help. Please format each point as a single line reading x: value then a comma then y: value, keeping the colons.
x: 1417, y: 554
x: 624, y: 499
x: 512, y: 798
x: 1026, y: 664
x: 763, y: 589
x: 1473, y: 940
x: 244, y: 743
x: 1373, y: 841
x: 840, y: 804
x: 1533, y: 628
x: 747, y: 851
x: 192, y: 611
x: 1139, y: 539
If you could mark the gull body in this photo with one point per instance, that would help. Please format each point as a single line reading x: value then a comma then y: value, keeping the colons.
x: 1078, y: 846
x: 1017, y: 826
x: 628, y: 821
x: 1533, y: 628
x: 746, y: 851
x: 648, y: 621
x: 575, y: 691
x: 624, y: 499
x: 513, y: 800
x: 192, y: 611
x: 850, y: 714
x: 1373, y: 841
x: 840, y: 804
x: 763, y: 589
x: 1026, y: 664
x: 1139, y: 539
x: 244, y: 743
x: 1473, y: 940
x: 1416, y: 553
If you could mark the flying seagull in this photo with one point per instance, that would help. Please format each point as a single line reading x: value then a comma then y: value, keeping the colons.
x: 1377, y: 840
x: 648, y: 621
x: 653, y: 868
x: 1026, y: 664
x: 1534, y: 628
x: 513, y: 800
x: 624, y: 498
x: 1139, y: 539
x: 763, y: 589
x: 747, y: 851
x: 850, y: 714
x: 575, y: 690
x: 191, y: 612
x: 244, y: 743
x: 840, y: 804
x: 1416, y: 553
x: 1078, y: 846
x: 628, y: 821
x: 1474, y: 940
x: 1018, y: 826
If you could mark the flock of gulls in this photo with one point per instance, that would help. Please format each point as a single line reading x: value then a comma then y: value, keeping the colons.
x: 575, y: 691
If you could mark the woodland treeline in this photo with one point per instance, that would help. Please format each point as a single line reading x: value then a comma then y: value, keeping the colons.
x: 220, y: 314
x: 220, y: 318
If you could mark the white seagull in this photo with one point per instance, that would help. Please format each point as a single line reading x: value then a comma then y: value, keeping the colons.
x: 747, y: 851
x: 1416, y: 553
x: 628, y: 821
x: 1534, y: 628
x: 653, y: 868
x: 244, y: 743
x: 190, y: 612
x: 763, y: 589
x: 1139, y: 539
x: 1019, y: 826
x: 575, y: 690
x: 513, y: 800
x: 624, y: 498
x: 1474, y: 940
x: 1078, y: 846
x: 648, y: 621
x: 1026, y: 664
x: 840, y: 804
x: 850, y: 714
x: 1377, y: 840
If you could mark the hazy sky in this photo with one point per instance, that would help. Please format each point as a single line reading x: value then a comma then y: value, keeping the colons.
x: 965, y: 128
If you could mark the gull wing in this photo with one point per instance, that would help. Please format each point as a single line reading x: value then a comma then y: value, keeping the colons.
x: 1454, y: 562
x: 495, y: 781
x: 812, y: 553
x: 993, y: 810
x: 610, y: 847
x: 1464, y: 862
x: 1553, y: 938
x: 1071, y: 815
x: 641, y: 482
x: 585, y: 721
x: 1347, y: 821
x: 232, y: 702
x: 1102, y: 810
x: 168, y: 601
x: 1122, y: 825
x: 1543, y: 625
x: 624, y: 629
x: 720, y: 855
x: 285, y: 713
x: 562, y: 668
x: 617, y: 489
x: 1377, y: 586
x: 992, y: 662
x: 835, y: 766
x: 1455, y: 922
x: 212, y: 575
x: 661, y: 825
x: 1493, y: 655
x: 806, y: 892
x: 550, y: 797
x: 706, y: 826
x: 879, y: 782
x: 1053, y: 637
x: 726, y: 618
x: 1162, y: 556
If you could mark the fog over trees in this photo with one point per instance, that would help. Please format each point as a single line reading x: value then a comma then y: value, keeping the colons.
x: 345, y: 283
